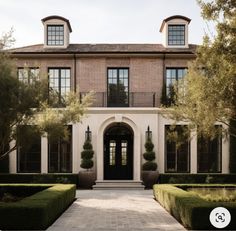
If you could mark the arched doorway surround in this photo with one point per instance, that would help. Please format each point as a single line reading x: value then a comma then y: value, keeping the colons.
x: 136, y: 145
x: 118, y: 152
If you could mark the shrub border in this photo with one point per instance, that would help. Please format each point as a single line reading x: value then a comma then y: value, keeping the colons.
x: 38, y: 211
x: 197, y: 178
x: 41, y: 178
x: 192, y: 211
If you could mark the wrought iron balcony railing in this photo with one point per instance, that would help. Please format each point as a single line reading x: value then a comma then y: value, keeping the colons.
x: 135, y: 99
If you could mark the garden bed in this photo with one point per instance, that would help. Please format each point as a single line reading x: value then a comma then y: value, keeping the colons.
x: 40, y: 207
x: 190, y: 209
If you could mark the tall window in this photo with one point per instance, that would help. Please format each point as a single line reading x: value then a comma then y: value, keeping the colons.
x: 177, y: 155
x: 209, y: 154
x: 118, y: 87
x: 60, y: 82
x: 60, y: 154
x: 176, y: 35
x: 28, y: 150
x: 28, y: 75
x: 55, y: 35
x: 172, y: 75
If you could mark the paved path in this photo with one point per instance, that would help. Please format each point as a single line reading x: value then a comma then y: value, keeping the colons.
x: 120, y: 210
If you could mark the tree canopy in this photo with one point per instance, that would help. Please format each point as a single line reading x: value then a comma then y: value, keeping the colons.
x: 208, y: 93
x: 27, y: 104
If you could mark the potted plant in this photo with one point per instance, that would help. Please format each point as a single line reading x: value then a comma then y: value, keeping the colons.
x: 87, y: 177
x: 149, y: 169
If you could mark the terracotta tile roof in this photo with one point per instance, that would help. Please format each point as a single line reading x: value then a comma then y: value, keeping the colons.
x: 103, y: 48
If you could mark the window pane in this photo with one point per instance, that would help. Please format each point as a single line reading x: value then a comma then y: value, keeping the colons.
x: 28, y: 150
x: 55, y: 34
x: 59, y: 81
x: 118, y: 89
x: 124, y: 152
x: 177, y: 154
x: 60, y: 154
x: 112, y: 152
x: 176, y: 34
x: 209, y: 154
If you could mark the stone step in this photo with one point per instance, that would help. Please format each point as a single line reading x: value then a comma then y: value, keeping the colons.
x: 118, y: 184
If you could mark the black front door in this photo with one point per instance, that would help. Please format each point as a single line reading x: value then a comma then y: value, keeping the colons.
x: 118, y: 157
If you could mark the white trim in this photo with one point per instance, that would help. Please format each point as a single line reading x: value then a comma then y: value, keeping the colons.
x: 136, y: 149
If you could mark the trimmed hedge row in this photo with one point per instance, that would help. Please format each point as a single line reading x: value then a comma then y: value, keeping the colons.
x: 42, y: 178
x: 37, y: 211
x: 192, y: 211
x: 187, y: 178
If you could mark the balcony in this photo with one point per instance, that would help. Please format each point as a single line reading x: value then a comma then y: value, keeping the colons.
x: 135, y: 99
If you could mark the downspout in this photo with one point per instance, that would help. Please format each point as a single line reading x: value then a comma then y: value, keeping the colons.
x: 75, y: 82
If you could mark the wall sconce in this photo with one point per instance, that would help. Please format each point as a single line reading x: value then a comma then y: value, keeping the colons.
x: 148, y: 134
x: 88, y: 134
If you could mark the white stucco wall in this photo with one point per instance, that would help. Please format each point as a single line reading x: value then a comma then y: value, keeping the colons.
x: 98, y: 119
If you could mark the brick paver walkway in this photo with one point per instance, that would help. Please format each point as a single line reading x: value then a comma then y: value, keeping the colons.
x: 120, y: 210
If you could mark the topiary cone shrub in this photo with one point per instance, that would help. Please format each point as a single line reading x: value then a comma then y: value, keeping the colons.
x: 150, y: 174
x: 87, y: 178
x: 87, y: 155
x: 149, y: 156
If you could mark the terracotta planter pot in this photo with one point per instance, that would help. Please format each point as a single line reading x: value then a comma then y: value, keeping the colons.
x: 149, y: 178
x: 87, y: 179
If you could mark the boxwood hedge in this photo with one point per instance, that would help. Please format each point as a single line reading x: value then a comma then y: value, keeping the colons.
x: 37, y: 211
x: 190, y: 178
x: 42, y: 178
x: 192, y: 211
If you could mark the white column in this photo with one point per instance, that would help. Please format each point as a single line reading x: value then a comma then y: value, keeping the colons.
x: 193, y: 152
x: 13, y: 159
x: 137, y: 157
x: 44, y: 154
x: 75, y: 148
x: 225, y: 155
x: 100, y: 156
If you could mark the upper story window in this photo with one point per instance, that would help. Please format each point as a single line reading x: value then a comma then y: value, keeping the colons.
x: 176, y: 35
x: 28, y: 75
x: 57, y: 31
x: 172, y: 75
x: 175, y: 31
x: 118, y: 87
x: 60, y: 82
x: 55, y: 35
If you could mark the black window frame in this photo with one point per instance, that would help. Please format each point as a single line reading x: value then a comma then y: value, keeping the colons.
x: 55, y: 40
x: 167, y: 96
x: 59, y: 142
x: 18, y: 155
x: 176, y: 42
x: 60, y: 96
x: 176, y: 153
x: 128, y: 92
x: 219, y: 149
x: 29, y: 76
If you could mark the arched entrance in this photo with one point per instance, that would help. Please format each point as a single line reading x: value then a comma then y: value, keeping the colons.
x: 118, y: 152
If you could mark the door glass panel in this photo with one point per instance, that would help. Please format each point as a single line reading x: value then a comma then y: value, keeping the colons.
x: 124, y: 152
x: 112, y: 152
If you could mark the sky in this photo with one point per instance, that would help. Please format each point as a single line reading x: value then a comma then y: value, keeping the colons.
x: 100, y: 21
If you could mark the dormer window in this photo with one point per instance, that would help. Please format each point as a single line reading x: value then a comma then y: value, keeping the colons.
x: 55, y: 35
x: 56, y: 32
x: 175, y: 31
x: 176, y: 35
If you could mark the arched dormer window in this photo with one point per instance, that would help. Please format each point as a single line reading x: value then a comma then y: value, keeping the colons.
x: 175, y: 29
x: 56, y: 32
